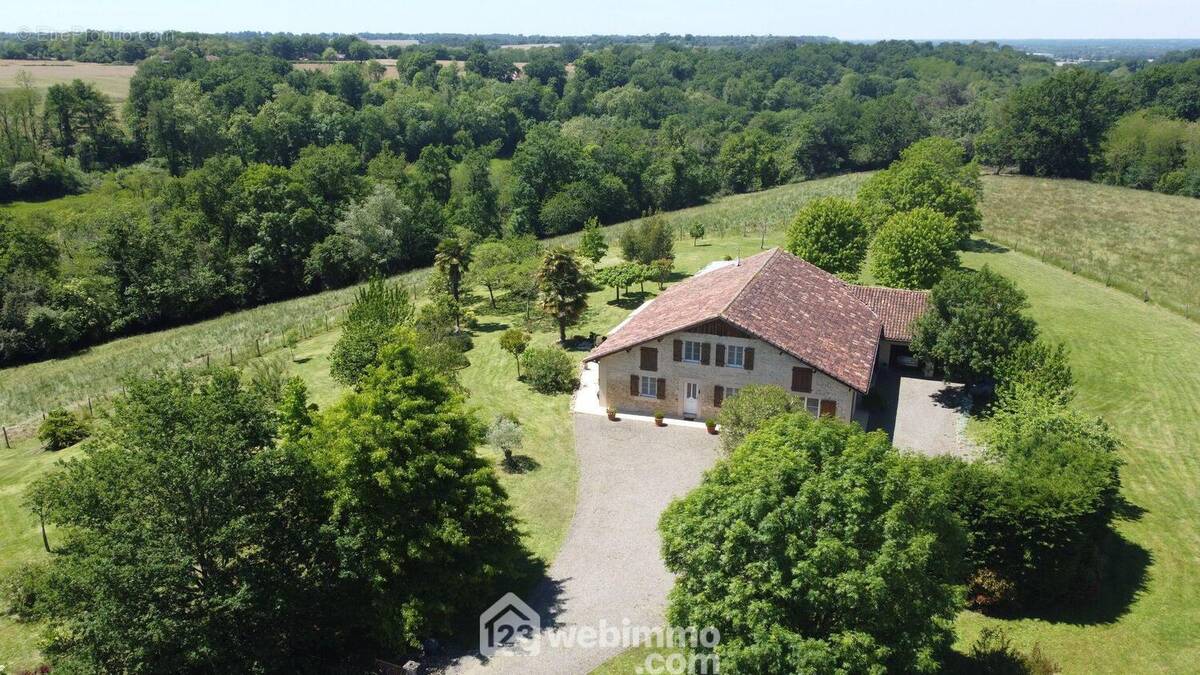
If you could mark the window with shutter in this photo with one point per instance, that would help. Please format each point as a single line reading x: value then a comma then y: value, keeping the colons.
x: 705, y: 354
x: 749, y: 361
x: 735, y: 356
x: 828, y: 408
x: 633, y: 385
x: 677, y: 350
x: 720, y: 356
x: 718, y: 395
x: 649, y: 358
x: 662, y: 388
x: 802, y: 379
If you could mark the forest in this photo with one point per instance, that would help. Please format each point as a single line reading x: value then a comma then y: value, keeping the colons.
x: 256, y: 181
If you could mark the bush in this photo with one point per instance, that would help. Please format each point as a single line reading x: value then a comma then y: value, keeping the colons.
x: 550, y: 370
x: 993, y: 653
x: 914, y: 249
x: 816, y: 547
x: 746, y: 411
x: 1037, y: 511
x: 61, y: 429
x: 21, y: 590
x: 1036, y: 368
x: 377, y: 309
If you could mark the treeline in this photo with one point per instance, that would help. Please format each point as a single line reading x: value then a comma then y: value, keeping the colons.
x: 285, y: 181
x: 1131, y: 128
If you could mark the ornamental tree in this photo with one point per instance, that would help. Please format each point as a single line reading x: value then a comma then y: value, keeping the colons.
x: 816, y: 547
x: 974, y: 321
x: 914, y: 249
x: 831, y: 233
x: 562, y: 288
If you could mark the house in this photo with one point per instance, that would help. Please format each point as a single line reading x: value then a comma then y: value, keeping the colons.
x: 768, y: 319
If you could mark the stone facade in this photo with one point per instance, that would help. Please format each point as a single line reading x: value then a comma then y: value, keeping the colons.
x: 770, y: 366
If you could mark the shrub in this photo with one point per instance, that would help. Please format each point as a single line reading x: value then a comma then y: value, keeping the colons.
x: 816, y: 547
x: 993, y: 653
x: 914, y: 249
x: 550, y: 370
x: 504, y: 434
x: 61, y: 429
x: 1037, y: 368
x: 21, y: 590
x: 377, y: 309
x: 753, y: 406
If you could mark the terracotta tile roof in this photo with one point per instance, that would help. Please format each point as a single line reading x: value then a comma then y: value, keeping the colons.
x: 895, y: 306
x: 785, y: 301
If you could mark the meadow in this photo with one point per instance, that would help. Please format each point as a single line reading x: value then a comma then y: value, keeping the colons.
x: 1141, y: 242
x: 111, y: 79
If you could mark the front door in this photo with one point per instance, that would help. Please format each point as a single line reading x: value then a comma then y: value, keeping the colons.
x: 691, y: 399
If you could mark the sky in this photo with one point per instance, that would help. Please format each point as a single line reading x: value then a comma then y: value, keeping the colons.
x: 844, y: 19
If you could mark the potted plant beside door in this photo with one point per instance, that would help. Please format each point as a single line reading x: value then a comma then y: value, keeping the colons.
x: 658, y: 418
x: 711, y: 425
x: 612, y: 414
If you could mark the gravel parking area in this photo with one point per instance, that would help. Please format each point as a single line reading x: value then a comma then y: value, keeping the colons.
x: 609, y: 570
x: 929, y: 419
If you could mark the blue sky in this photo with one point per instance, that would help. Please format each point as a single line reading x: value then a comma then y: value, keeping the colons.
x: 845, y: 19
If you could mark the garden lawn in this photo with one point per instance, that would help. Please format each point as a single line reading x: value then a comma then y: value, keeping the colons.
x: 1135, y: 365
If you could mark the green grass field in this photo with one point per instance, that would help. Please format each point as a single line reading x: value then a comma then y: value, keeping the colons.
x: 110, y: 79
x: 1142, y: 242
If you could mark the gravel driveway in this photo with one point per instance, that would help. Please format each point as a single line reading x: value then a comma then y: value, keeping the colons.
x: 929, y: 418
x: 609, y: 569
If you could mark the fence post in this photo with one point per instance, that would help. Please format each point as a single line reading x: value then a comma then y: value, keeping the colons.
x: 257, y: 351
x: 90, y: 412
x: 6, y: 444
x: 207, y: 363
x: 231, y: 356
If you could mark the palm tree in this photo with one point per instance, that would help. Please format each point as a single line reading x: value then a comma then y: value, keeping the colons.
x: 452, y: 259
x: 563, y: 288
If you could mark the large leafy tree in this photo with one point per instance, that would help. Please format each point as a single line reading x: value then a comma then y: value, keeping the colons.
x: 914, y: 249
x: 186, y: 542
x: 422, y: 525
x: 562, y: 288
x: 1057, y: 125
x: 650, y: 240
x: 816, y: 547
x: 926, y: 176
x: 377, y: 309
x: 831, y: 233
x: 975, y: 320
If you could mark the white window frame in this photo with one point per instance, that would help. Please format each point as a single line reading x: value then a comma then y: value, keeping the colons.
x: 813, y: 406
x: 648, y: 384
x: 729, y: 391
x: 692, y: 349
x: 730, y: 350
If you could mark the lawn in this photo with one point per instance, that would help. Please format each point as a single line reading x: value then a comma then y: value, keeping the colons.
x: 110, y: 79
x: 1142, y: 242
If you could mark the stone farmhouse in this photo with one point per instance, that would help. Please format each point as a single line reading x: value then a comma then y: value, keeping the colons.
x: 768, y: 319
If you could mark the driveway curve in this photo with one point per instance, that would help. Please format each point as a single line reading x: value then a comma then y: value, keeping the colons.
x: 609, y: 570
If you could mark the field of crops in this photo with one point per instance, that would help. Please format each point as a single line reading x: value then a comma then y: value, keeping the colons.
x: 111, y: 79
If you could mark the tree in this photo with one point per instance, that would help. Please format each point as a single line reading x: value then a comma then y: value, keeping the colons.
x: 504, y: 434
x: 816, y: 547
x: 515, y: 341
x: 747, y: 161
x: 551, y: 370
x: 563, y: 288
x: 377, y: 309
x: 476, y: 204
x: 490, y: 262
x: 617, y: 277
x: 453, y: 260
x: 887, y: 126
x: 921, y: 181
x: 592, y: 245
x: 1058, y: 123
x: 661, y: 271
x: 973, y: 322
x: 696, y: 232
x: 1035, y: 368
x: 649, y: 240
x: 831, y: 233
x: 189, y: 541
x: 61, y: 429
x: 914, y: 249
x: 423, y: 529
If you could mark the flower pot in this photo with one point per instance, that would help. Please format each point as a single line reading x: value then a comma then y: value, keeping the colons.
x: 612, y: 417
x: 658, y: 422
x: 712, y: 429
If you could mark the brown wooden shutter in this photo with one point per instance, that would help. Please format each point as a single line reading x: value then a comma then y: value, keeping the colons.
x: 705, y: 354
x: 662, y: 388
x: 802, y: 379
x: 718, y: 395
x: 720, y: 356
x: 633, y: 385
x: 748, y: 363
x: 677, y: 350
x: 828, y: 408
x: 649, y: 358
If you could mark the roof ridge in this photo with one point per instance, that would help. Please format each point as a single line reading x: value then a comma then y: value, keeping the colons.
x: 772, y: 254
